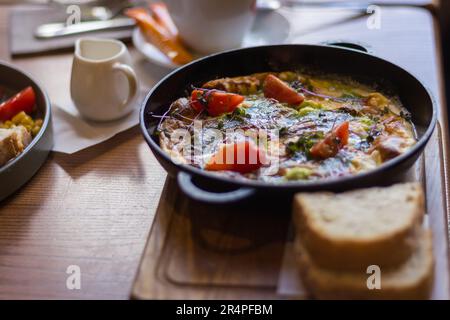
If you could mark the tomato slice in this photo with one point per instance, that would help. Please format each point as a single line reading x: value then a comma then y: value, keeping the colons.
x: 332, y: 143
x: 23, y: 101
x: 242, y: 157
x: 279, y: 90
x: 215, y: 102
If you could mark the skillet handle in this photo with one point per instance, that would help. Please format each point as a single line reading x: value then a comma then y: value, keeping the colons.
x: 354, y: 45
x: 196, y: 193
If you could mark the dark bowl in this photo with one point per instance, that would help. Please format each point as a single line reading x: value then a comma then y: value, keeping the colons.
x: 19, y: 170
x: 208, y: 187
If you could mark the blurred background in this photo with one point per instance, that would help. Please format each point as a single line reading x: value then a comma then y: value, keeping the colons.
x: 23, y: 24
x: 440, y: 8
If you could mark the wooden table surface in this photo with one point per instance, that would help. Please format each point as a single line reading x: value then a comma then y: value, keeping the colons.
x: 93, y: 208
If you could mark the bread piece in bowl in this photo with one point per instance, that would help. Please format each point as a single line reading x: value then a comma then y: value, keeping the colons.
x: 12, y: 142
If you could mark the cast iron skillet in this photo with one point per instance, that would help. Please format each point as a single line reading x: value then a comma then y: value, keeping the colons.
x: 212, y: 188
x: 19, y: 170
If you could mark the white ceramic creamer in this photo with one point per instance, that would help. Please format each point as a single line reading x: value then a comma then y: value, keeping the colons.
x: 103, y: 85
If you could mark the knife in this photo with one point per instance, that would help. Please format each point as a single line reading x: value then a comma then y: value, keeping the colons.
x: 271, y: 5
x: 52, y: 30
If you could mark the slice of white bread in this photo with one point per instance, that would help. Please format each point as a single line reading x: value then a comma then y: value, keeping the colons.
x: 411, y: 280
x: 351, y: 230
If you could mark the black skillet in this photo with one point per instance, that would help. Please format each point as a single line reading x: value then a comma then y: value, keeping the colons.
x: 212, y: 188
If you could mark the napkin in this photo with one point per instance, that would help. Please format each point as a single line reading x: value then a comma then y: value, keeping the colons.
x: 289, y: 282
x: 73, y: 133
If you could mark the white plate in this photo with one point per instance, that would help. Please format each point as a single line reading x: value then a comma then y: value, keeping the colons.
x: 268, y: 28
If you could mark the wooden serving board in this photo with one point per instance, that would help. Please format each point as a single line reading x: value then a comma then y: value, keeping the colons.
x: 208, y: 252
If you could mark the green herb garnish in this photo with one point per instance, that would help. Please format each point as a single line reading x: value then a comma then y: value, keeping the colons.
x: 297, y: 173
x: 283, y: 131
x: 304, y: 143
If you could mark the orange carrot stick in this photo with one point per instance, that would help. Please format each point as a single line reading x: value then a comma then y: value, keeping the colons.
x: 159, y: 36
x: 162, y: 16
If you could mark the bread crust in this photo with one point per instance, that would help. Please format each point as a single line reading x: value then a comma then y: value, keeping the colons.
x: 12, y: 143
x: 330, y: 284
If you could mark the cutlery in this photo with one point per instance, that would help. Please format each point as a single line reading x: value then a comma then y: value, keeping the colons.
x: 270, y: 5
x: 52, y: 30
